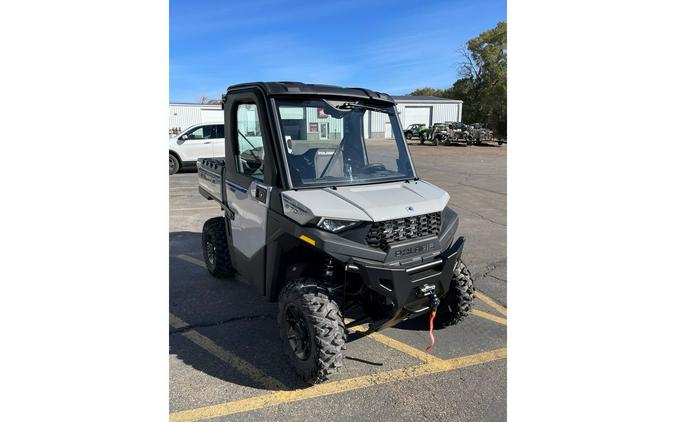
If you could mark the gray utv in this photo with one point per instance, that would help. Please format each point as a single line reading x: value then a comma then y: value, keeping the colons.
x: 326, y: 216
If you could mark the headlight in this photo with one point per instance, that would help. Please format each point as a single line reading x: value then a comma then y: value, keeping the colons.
x: 335, y: 225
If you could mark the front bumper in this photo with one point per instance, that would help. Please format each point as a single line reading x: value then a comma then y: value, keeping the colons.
x: 401, y: 286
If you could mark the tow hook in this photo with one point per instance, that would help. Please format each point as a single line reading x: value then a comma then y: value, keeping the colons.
x: 430, y: 291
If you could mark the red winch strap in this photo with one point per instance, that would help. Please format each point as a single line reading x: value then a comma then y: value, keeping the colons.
x: 431, y: 329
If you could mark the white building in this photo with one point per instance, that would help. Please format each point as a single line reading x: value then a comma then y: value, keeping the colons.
x: 411, y: 109
x: 183, y: 115
x: 427, y: 110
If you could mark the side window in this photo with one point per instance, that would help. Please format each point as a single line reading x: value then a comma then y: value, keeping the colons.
x: 197, y: 133
x: 212, y: 132
x: 220, y: 131
x: 250, y: 152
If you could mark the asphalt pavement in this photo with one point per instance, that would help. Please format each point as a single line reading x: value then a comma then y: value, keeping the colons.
x: 226, y: 361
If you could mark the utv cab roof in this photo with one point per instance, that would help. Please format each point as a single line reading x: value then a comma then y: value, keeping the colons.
x: 290, y: 89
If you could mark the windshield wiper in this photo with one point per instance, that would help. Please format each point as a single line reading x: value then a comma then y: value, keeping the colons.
x: 352, y: 106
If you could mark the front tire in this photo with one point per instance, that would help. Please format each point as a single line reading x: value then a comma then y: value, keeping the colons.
x: 215, y: 249
x: 457, y: 304
x: 312, y: 330
x: 174, y: 164
x: 408, y: 136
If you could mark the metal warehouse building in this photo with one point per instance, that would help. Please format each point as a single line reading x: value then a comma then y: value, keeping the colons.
x: 411, y: 109
x: 427, y: 110
x: 182, y: 115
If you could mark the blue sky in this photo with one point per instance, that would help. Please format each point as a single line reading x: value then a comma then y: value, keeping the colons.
x: 392, y: 46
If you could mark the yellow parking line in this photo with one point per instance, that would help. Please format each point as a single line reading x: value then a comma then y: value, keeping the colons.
x: 491, y: 317
x: 191, y: 260
x: 395, y: 344
x: 336, y: 387
x: 231, y: 359
x: 490, y: 302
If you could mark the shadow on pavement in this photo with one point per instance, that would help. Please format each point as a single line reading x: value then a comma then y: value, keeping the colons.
x: 187, y: 170
x: 456, y: 145
x: 228, y: 313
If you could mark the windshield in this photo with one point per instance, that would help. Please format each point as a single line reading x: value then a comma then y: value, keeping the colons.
x: 334, y: 143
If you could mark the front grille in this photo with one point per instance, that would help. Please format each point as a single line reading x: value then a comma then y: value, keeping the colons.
x: 383, y: 233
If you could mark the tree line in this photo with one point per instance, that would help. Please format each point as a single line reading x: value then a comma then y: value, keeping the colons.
x: 481, y: 82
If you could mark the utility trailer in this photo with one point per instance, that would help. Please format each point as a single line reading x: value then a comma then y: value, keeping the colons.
x: 325, y: 223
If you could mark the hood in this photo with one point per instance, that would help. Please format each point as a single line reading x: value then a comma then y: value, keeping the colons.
x: 378, y: 202
x: 388, y: 201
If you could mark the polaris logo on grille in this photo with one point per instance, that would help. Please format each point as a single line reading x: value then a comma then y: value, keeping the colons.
x: 413, y: 250
x: 410, y: 209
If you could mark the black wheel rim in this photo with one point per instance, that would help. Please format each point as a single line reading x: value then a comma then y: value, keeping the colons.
x: 210, y: 252
x: 297, y: 333
x: 172, y: 165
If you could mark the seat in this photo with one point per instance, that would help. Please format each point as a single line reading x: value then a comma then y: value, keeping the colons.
x: 322, y: 157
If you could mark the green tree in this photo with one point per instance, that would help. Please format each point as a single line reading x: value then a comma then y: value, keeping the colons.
x: 482, y: 80
x: 427, y: 91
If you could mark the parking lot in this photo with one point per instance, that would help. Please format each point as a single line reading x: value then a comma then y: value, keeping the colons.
x: 226, y: 361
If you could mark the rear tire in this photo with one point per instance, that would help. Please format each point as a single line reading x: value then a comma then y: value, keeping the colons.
x: 174, y: 164
x: 408, y: 136
x: 215, y: 249
x: 312, y: 330
x: 457, y: 304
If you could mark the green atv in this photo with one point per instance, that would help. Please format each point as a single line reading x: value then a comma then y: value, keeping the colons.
x: 416, y: 130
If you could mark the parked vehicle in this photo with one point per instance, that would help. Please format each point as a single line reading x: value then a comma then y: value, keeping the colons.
x: 459, y: 133
x: 439, y: 133
x: 416, y: 130
x: 202, y: 140
x: 327, y: 226
x: 480, y: 134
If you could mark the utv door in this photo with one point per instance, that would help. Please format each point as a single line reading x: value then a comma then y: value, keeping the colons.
x: 247, y: 155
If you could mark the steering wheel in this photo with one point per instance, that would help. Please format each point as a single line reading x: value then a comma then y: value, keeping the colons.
x: 373, y: 167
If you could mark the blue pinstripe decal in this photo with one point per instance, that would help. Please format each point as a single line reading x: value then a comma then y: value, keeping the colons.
x: 236, y: 187
x: 201, y: 169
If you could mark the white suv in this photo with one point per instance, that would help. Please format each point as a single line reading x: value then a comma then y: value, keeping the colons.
x: 203, y: 140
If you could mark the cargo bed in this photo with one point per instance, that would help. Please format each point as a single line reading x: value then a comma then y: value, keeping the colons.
x: 210, y: 175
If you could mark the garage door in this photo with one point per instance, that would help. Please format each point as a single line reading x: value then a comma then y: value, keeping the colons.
x: 213, y: 116
x: 417, y: 115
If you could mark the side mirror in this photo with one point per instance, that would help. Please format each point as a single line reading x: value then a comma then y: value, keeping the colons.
x: 183, y: 137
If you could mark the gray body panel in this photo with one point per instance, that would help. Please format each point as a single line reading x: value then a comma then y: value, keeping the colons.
x: 376, y: 202
x: 210, y: 179
x: 250, y: 218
